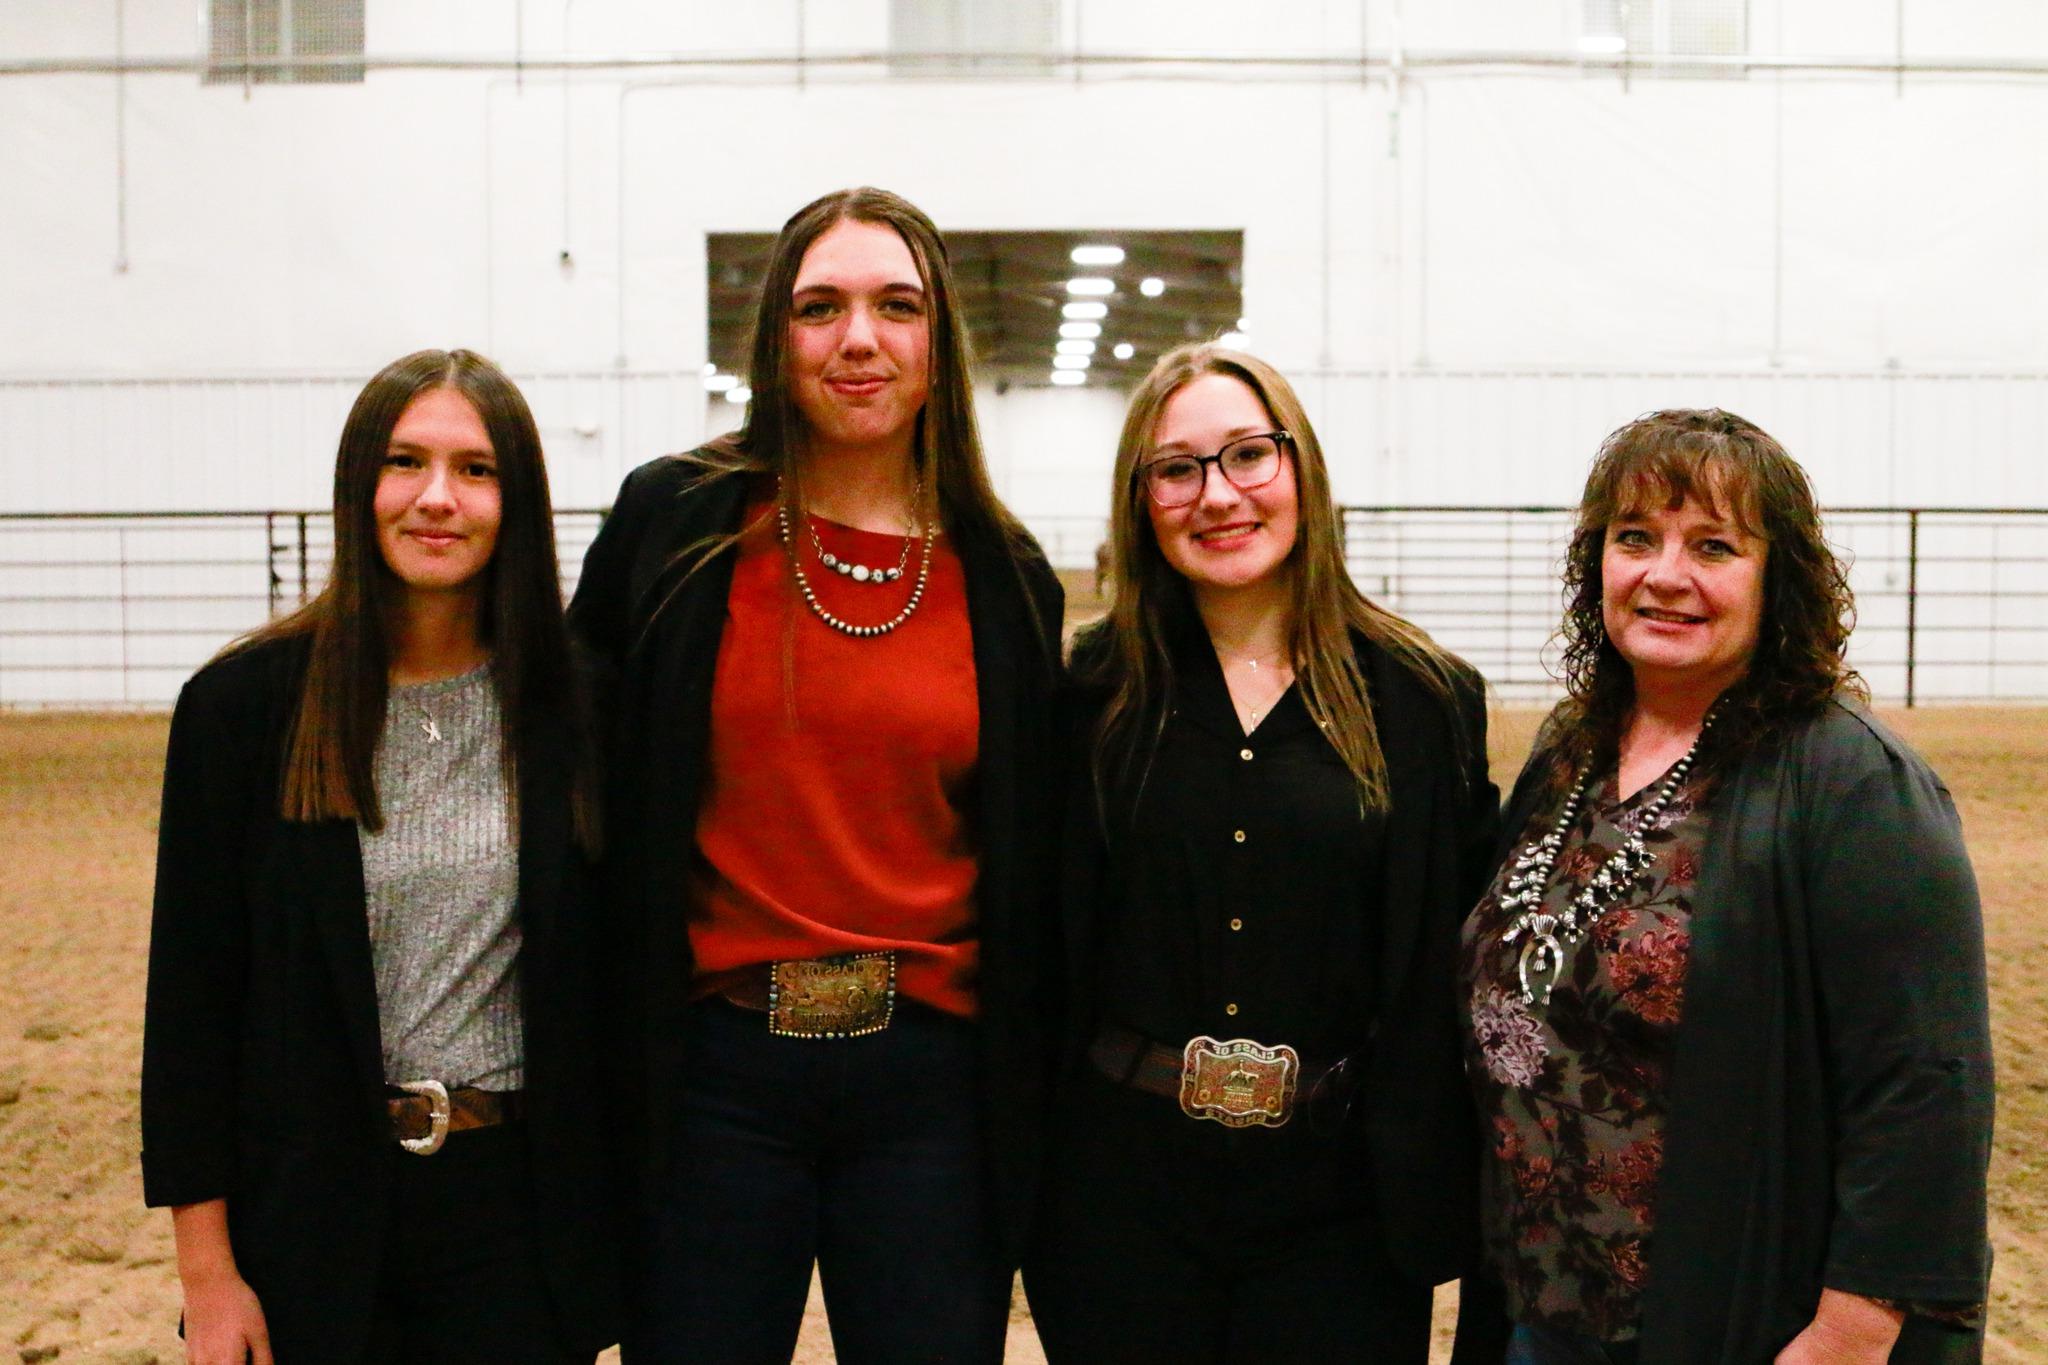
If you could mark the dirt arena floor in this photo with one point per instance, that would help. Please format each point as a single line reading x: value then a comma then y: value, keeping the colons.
x: 86, y: 1273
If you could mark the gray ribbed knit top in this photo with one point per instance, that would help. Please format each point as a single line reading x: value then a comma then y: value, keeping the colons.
x: 442, y: 886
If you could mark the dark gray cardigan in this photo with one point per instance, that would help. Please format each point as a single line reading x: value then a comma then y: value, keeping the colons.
x: 1831, y: 1094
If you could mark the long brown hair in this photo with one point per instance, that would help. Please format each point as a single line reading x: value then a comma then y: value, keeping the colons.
x: 330, y: 756
x: 1731, y: 466
x: 947, y: 444
x: 1128, y: 653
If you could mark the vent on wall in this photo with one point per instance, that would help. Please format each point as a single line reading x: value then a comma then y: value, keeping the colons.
x: 243, y: 35
x: 963, y: 37
x: 1668, y: 28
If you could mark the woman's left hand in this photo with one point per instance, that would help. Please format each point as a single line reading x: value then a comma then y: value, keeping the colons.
x: 1847, y: 1329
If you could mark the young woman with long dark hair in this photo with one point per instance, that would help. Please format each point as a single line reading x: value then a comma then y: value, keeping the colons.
x: 832, y: 655
x: 368, y: 1057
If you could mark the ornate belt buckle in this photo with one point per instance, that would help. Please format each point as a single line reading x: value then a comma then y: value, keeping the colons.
x: 1238, y: 1083
x: 437, y: 1118
x: 832, y: 997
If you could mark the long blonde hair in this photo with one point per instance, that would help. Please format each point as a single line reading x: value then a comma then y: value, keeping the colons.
x: 1128, y: 654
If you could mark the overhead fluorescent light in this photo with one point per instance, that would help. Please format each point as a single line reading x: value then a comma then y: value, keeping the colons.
x: 1152, y: 286
x: 1085, y: 310
x: 1069, y: 378
x: 710, y: 367
x: 719, y: 383
x: 1124, y: 350
x: 1243, y: 326
x: 738, y: 395
x: 1098, y: 255
x: 1070, y: 362
x: 1074, y: 346
x: 1090, y: 286
x: 1080, y: 329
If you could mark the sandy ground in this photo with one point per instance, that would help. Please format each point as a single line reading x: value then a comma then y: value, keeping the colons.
x: 86, y: 1271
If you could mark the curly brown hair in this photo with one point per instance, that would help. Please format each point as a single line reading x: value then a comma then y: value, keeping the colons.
x: 1733, y: 467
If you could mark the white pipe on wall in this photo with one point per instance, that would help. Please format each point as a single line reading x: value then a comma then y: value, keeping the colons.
x: 567, y: 259
x: 877, y: 66
x: 121, y: 143
x: 1390, y: 403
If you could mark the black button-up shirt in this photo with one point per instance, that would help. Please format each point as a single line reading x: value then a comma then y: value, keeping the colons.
x: 1243, y: 890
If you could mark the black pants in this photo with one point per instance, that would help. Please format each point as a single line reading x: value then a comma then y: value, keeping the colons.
x: 1171, y: 1239
x: 462, y: 1278
x: 861, y: 1154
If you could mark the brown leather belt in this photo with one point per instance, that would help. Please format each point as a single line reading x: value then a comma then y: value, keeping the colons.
x: 422, y: 1119
x: 1277, y: 1087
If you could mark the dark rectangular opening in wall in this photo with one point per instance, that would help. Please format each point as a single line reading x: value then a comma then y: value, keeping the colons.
x: 973, y: 37
x: 244, y: 38
x: 1014, y: 297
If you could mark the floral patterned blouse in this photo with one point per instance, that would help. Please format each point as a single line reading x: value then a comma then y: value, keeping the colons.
x: 1573, y: 1092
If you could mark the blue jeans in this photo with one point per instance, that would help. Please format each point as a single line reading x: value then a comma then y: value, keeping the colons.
x: 861, y: 1154
x: 1536, y: 1345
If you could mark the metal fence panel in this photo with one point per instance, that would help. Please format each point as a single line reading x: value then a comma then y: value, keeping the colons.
x: 118, y: 609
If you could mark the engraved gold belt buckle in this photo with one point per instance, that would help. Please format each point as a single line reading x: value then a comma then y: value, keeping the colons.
x: 832, y: 997
x: 1238, y: 1083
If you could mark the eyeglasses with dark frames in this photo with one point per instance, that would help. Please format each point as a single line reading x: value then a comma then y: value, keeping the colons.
x: 1248, y: 462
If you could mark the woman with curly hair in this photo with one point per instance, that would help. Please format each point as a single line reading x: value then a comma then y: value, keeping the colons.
x: 1725, y: 999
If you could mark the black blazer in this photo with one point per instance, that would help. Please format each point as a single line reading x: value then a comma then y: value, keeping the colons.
x: 1421, y: 1138
x: 262, y: 1068
x: 655, y: 630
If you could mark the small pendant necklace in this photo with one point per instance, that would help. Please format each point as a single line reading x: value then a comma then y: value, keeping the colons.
x: 1283, y: 677
x: 427, y: 726
x: 1550, y: 936
x: 1251, y: 661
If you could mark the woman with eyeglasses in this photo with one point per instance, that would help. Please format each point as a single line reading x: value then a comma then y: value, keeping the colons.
x: 1262, y: 1145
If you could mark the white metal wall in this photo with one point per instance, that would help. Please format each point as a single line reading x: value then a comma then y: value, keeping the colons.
x: 1474, y: 263
x: 1451, y: 436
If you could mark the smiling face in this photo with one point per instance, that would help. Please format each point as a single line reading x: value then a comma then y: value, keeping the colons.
x: 1228, y: 538
x: 1682, y: 595
x: 437, y: 502
x: 859, y: 340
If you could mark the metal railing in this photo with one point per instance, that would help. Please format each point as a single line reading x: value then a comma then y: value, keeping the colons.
x: 1952, y: 603
x: 117, y: 609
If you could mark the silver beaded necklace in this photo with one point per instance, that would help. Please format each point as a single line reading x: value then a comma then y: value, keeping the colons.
x: 1551, y: 935
x: 810, y: 596
x: 862, y: 573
